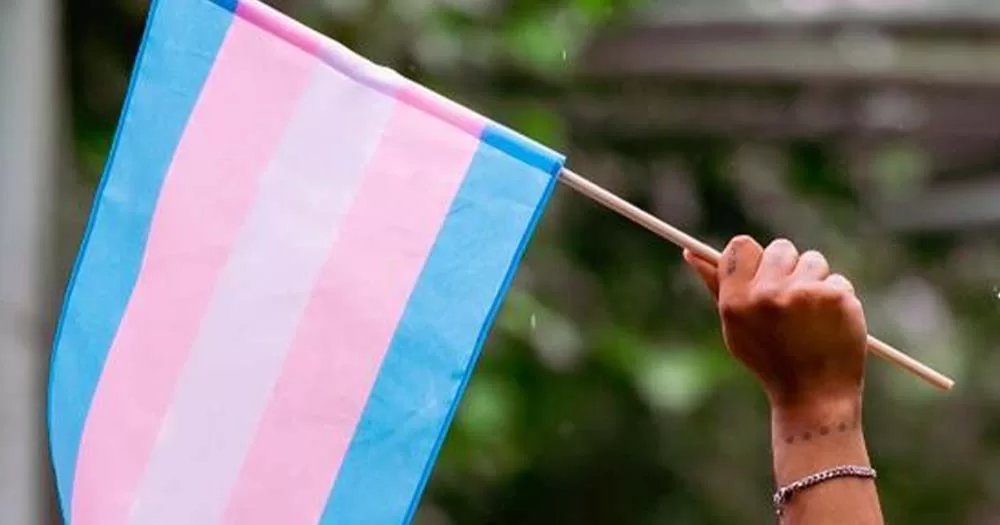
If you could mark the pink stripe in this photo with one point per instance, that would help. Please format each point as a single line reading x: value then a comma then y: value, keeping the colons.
x: 433, y: 103
x: 259, y: 300
x: 280, y: 25
x: 324, y: 48
x: 350, y: 320
x: 373, y: 75
x: 213, y: 181
x: 359, y: 68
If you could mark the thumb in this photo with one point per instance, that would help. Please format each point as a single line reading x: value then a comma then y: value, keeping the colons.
x: 706, y: 270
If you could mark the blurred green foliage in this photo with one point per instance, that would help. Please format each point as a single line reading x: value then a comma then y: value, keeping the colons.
x: 605, y: 395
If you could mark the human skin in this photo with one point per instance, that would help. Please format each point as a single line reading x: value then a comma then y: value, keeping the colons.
x: 801, y: 331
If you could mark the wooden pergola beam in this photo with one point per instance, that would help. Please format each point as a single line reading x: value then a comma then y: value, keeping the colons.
x: 949, y: 54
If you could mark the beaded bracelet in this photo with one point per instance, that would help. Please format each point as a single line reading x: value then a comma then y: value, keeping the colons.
x: 784, y: 494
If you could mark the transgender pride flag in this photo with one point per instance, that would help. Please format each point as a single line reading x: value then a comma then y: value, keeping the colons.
x: 293, y: 260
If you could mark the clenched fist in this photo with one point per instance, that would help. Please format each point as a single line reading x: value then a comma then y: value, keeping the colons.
x: 796, y: 325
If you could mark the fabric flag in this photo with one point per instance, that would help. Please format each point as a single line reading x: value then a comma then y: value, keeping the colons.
x: 292, y: 263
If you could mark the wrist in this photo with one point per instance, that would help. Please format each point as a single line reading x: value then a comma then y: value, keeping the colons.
x: 816, y: 436
x: 838, y: 411
x: 814, y: 393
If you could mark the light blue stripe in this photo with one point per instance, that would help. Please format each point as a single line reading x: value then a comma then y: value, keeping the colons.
x: 178, y: 50
x: 228, y: 5
x: 438, y: 340
x: 521, y: 147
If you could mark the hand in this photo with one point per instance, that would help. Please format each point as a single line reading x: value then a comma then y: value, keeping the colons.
x: 797, y: 327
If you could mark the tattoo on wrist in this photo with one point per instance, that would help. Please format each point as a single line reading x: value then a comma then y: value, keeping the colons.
x: 822, y: 431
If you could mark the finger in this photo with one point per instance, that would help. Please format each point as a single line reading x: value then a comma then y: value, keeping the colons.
x: 840, y: 282
x: 706, y: 270
x: 737, y: 266
x: 778, y: 261
x: 812, y: 266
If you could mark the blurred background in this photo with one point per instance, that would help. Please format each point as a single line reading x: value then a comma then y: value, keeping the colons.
x: 867, y: 129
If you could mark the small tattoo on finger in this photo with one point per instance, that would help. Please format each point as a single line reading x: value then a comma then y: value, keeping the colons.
x: 731, y: 265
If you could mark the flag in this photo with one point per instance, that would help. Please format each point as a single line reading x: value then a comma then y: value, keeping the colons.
x: 291, y: 265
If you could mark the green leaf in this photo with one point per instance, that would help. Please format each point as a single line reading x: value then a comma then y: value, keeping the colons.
x: 549, y: 42
x: 675, y: 380
x: 540, y: 123
x: 487, y: 409
x: 900, y: 170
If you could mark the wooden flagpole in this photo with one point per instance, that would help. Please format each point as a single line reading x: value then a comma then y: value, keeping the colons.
x: 678, y: 237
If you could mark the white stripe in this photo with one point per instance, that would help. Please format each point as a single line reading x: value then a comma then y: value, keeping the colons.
x: 260, y: 297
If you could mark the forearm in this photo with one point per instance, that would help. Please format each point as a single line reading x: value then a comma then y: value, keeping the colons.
x: 801, y: 329
x: 809, y: 439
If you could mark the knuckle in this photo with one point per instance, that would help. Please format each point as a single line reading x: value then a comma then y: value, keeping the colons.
x: 830, y: 295
x: 816, y: 292
x: 802, y: 293
x: 740, y: 241
x: 814, y: 256
x: 734, y: 308
x: 839, y: 281
x: 853, y: 304
x: 770, y: 297
x: 781, y: 244
x: 810, y: 294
